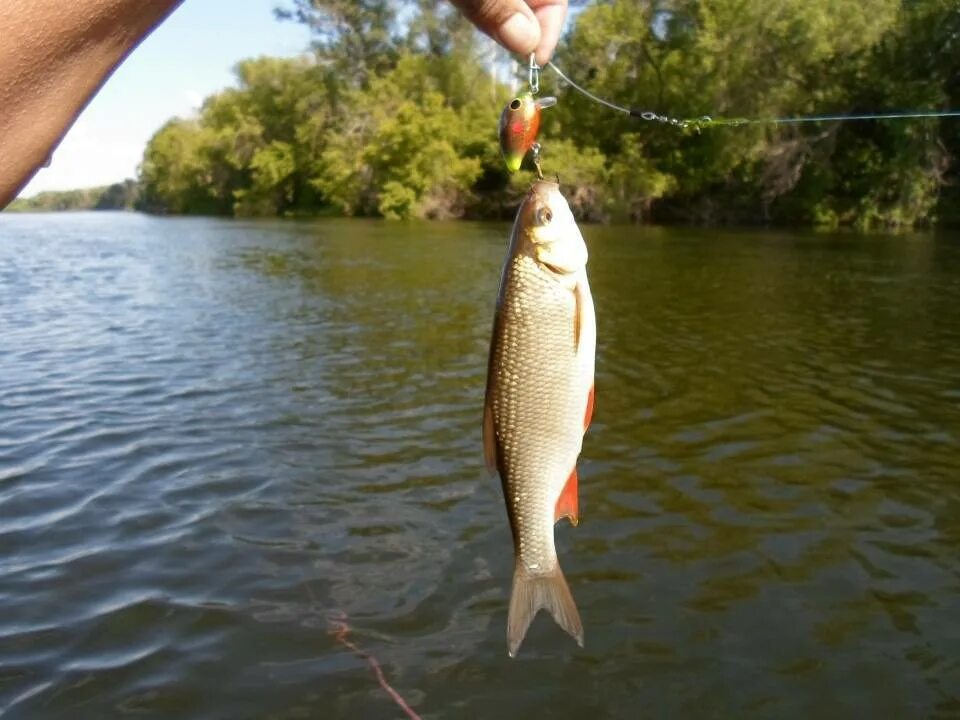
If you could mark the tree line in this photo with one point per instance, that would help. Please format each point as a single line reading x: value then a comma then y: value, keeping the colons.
x: 393, y: 113
x: 118, y: 196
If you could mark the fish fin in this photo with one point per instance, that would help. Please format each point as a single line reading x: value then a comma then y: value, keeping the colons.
x: 568, y: 505
x: 530, y: 594
x: 588, y: 417
x: 489, y: 439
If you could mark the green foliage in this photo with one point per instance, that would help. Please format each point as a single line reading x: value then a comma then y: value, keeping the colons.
x: 393, y: 114
x: 355, y: 39
x: 403, y: 153
x: 176, y: 173
x: 249, y: 151
x: 119, y: 196
x: 408, y: 141
x: 759, y: 59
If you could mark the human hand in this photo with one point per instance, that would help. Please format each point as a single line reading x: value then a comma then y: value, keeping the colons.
x: 521, y: 26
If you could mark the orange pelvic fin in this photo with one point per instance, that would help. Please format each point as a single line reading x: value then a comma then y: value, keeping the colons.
x: 568, y: 505
x: 588, y: 417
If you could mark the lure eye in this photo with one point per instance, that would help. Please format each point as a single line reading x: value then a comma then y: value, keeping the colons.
x: 515, y: 104
x: 544, y: 216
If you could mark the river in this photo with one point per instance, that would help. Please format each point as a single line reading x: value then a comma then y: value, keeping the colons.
x: 221, y: 438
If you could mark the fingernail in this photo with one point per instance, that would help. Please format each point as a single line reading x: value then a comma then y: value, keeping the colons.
x: 519, y: 33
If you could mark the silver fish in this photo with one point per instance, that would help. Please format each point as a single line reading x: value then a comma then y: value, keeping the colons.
x: 539, y: 399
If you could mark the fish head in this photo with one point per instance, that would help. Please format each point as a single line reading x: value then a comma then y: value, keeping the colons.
x: 551, y: 235
x: 519, y: 125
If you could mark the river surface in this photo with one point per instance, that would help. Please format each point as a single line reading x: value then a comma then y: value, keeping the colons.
x: 222, y: 441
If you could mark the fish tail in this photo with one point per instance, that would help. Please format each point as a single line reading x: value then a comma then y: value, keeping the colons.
x: 533, y: 592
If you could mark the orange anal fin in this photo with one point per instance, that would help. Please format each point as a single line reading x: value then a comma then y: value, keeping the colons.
x: 588, y: 416
x: 489, y: 440
x: 568, y: 505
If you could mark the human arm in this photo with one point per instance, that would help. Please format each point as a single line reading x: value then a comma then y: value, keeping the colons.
x: 54, y: 56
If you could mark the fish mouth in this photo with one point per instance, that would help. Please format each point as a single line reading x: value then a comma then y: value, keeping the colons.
x: 549, y: 184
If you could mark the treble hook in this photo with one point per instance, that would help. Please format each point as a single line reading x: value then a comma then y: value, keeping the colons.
x: 535, y: 156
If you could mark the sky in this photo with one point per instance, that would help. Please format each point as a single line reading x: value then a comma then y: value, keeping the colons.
x: 187, y: 58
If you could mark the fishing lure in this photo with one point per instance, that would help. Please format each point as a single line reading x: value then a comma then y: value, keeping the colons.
x: 520, y: 123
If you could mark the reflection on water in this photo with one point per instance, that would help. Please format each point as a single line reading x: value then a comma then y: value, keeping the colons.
x: 215, y: 434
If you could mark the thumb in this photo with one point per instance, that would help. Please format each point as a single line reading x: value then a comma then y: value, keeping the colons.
x: 510, y: 22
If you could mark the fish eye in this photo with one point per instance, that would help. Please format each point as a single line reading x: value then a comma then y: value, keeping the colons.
x: 544, y: 216
x: 515, y: 104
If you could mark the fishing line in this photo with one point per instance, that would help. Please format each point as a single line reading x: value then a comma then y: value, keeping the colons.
x: 340, y: 629
x: 707, y: 121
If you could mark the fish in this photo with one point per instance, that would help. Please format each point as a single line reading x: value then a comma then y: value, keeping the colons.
x: 518, y: 128
x: 539, y: 399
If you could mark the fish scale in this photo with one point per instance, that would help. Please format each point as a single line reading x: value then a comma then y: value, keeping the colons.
x: 533, y: 404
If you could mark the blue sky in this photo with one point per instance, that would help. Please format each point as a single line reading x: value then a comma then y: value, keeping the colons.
x: 185, y: 59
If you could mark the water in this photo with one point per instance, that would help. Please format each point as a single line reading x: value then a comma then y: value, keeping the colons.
x: 216, y: 435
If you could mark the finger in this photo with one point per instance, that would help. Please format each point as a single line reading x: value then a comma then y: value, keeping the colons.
x: 510, y: 22
x: 550, y: 14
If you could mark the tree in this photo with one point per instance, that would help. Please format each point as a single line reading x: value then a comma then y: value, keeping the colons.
x: 393, y: 114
